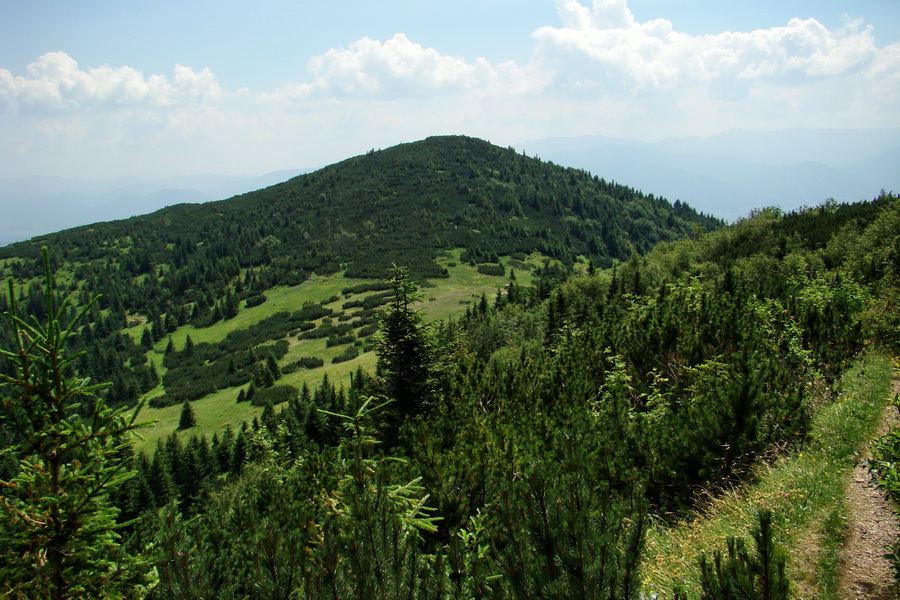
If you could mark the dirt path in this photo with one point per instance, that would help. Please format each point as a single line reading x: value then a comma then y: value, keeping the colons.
x: 865, y: 572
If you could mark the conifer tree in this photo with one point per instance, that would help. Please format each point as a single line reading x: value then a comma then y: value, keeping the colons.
x: 187, y: 419
x: 406, y: 348
x: 745, y: 575
x: 188, y: 346
x: 58, y: 530
x: 146, y: 339
x: 272, y: 366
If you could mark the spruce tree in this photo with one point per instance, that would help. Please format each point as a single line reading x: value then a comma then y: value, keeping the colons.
x: 405, y: 348
x: 272, y: 366
x: 146, y: 339
x: 58, y: 529
x: 188, y: 419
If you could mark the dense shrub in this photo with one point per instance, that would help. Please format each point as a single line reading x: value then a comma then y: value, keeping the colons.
x: 340, y: 340
x: 256, y: 300
x: 276, y: 394
x: 495, y: 270
x: 307, y: 362
x: 349, y: 353
x: 369, y: 302
x: 375, y: 286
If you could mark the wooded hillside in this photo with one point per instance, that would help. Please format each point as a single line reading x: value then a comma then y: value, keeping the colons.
x: 200, y: 265
x: 520, y: 450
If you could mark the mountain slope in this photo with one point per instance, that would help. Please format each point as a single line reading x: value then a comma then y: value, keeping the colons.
x: 448, y: 207
x: 38, y: 205
x: 401, y: 205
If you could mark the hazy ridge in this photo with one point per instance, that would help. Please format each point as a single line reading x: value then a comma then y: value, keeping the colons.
x: 37, y: 205
x: 731, y: 173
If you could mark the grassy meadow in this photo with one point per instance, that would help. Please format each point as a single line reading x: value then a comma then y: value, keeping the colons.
x: 443, y: 299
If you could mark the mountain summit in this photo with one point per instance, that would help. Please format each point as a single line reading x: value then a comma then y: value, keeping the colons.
x: 400, y: 205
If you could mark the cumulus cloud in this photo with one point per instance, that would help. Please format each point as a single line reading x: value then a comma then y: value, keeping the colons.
x: 399, y: 68
x: 54, y: 82
x: 603, y: 47
x: 606, y: 14
x: 601, y: 50
x: 599, y: 71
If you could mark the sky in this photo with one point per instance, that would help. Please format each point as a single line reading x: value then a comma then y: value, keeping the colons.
x: 105, y: 89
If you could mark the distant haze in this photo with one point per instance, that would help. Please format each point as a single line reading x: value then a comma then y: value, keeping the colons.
x: 729, y: 174
x: 35, y: 206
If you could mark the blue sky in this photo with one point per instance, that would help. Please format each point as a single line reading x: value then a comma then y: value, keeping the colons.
x: 104, y: 89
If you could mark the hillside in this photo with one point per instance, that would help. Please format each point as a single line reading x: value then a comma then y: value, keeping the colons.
x: 399, y: 205
x: 203, y: 270
x: 555, y: 440
x: 37, y: 205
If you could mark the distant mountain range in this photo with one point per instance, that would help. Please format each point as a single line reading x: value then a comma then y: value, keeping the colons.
x: 729, y: 174
x: 725, y: 175
x: 37, y: 205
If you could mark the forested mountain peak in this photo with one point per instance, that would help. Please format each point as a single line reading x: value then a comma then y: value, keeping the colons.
x: 190, y: 267
x: 400, y: 205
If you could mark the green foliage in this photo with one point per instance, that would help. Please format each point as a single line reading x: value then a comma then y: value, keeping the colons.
x: 558, y: 533
x: 274, y: 395
x: 178, y: 578
x: 329, y: 526
x: 255, y: 300
x: 373, y: 526
x: 405, y: 349
x: 547, y: 422
x: 495, y: 270
x: 204, y: 264
x: 349, y: 353
x: 187, y: 419
x: 58, y: 530
x: 307, y: 362
x: 885, y: 462
x: 742, y: 575
x: 885, y: 468
x: 443, y: 192
x: 369, y: 302
x: 375, y: 286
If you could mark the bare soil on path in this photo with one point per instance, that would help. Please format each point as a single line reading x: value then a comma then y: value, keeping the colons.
x: 865, y: 571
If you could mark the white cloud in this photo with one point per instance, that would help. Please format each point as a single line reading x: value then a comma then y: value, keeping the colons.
x: 55, y: 83
x: 399, y: 68
x: 606, y: 14
x: 603, y: 48
x: 600, y: 71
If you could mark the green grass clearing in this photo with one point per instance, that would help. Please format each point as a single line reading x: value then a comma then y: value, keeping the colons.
x: 443, y: 298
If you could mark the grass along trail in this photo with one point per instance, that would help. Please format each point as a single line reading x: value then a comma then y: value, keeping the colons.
x: 805, y: 490
x: 872, y: 525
